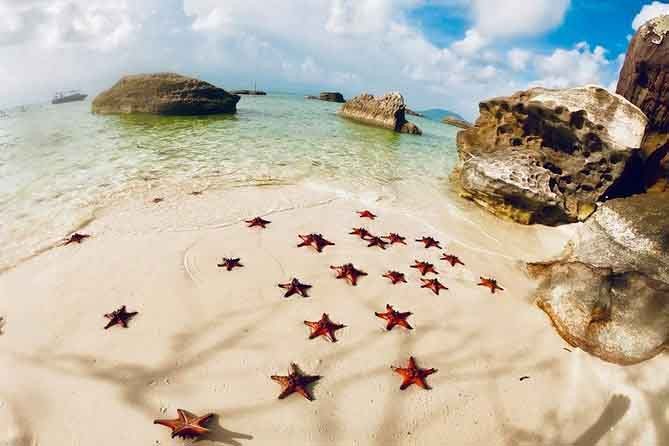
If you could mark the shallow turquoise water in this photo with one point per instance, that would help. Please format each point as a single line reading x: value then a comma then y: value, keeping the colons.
x: 58, y: 164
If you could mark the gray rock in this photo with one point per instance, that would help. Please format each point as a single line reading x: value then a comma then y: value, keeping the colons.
x: 387, y: 112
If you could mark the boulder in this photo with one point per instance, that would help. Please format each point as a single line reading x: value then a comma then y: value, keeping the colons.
x: 549, y: 156
x: 332, y: 97
x: 387, y: 112
x: 456, y: 122
x: 608, y: 294
x: 164, y: 94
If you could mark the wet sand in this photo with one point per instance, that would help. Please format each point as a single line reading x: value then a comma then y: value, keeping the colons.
x: 207, y: 340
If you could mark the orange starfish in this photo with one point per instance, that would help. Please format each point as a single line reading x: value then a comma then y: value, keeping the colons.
x: 361, y: 232
x: 433, y: 285
x: 490, y: 283
x: 188, y: 425
x: 453, y: 260
x: 230, y: 264
x: 429, y: 242
x: 259, y: 222
x: 395, y: 318
x: 424, y: 267
x: 295, y: 287
x: 395, y: 277
x: 348, y: 272
x: 316, y: 241
x: 76, y: 238
x: 366, y: 214
x: 395, y: 238
x: 413, y: 375
x: 324, y: 327
x: 296, y: 381
x: 119, y: 317
x: 377, y: 241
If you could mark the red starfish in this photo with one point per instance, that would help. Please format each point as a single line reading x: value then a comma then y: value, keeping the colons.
x: 296, y: 381
x: 348, y: 272
x: 188, y: 425
x: 230, y: 264
x: 429, y: 242
x: 424, y: 267
x: 377, y: 241
x: 76, y: 238
x: 258, y: 221
x: 434, y: 285
x: 119, y: 317
x: 366, y: 214
x: 314, y: 240
x: 490, y: 283
x: 295, y: 287
x: 324, y: 327
x: 395, y: 318
x: 395, y: 238
x: 361, y: 232
x: 453, y: 260
x: 413, y: 375
x: 395, y: 277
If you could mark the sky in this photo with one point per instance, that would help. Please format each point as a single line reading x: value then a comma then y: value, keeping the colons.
x: 438, y: 53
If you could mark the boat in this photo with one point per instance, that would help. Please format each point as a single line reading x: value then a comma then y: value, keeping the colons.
x: 68, y: 96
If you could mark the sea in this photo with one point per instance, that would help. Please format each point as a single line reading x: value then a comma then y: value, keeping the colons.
x: 61, y: 164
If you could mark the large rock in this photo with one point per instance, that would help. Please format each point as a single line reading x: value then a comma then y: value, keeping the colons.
x: 609, y: 293
x: 332, y: 96
x: 549, y: 156
x: 164, y: 94
x: 388, y: 111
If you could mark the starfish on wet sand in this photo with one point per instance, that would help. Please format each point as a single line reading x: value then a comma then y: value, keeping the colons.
x: 188, y: 425
x: 377, y: 241
x: 295, y: 287
x: 490, y: 283
x: 395, y: 238
x: 395, y: 318
x: 348, y: 272
x: 76, y: 238
x: 429, y: 242
x: 361, y: 232
x: 119, y: 317
x: 257, y: 222
x: 424, y: 267
x: 324, y: 327
x: 295, y: 382
x: 433, y: 285
x: 366, y: 214
x: 395, y: 277
x: 413, y: 375
x: 230, y: 264
x: 316, y: 241
x: 453, y: 260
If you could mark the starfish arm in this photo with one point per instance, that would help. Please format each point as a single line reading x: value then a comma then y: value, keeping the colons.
x: 289, y: 390
x: 391, y: 323
x: 406, y: 382
x: 302, y: 391
x: 172, y: 424
x: 420, y: 381
x: 404, y: 324
x: 109, y: 324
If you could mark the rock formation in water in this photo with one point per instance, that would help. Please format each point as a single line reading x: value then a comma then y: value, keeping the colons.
x: 164, y: 94
x: 330, y: 96
x: 249, y: 92
x: 455, y: 122
x: 609, y: 293
x: 387, y: 112
x: 549, y: 156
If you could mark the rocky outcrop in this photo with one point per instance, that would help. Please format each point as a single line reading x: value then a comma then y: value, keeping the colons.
x: 609, y: 293
x: 549, y: 156
x: 331, y: 96
x: 456, y: 122
x: 387, y: 112
x: 164, y: 94
x: 249, y: 92
x: 410, y: 112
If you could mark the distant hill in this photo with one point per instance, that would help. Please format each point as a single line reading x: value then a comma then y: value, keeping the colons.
x: 438, y: 114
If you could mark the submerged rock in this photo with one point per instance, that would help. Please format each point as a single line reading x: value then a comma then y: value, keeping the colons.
x: 548, y: 156
x: 387, y: 112
x: 456, y: 122
x: 330, y: 96
x: 164, y: 94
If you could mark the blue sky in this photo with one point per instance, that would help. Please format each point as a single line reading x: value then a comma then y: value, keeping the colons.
x: 437, y: 53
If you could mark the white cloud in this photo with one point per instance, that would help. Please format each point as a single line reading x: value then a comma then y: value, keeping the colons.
x: 578, y: 66
x: 518, y: 17
x: 518, y: 59
x: 471, y: 44
x: 648, y: 12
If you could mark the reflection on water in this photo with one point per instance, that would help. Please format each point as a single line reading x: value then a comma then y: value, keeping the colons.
x: 58, y: 164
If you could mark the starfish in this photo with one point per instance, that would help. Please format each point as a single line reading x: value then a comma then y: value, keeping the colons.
x: 490, y: 283
x: 348, y: 272
x: 324, y: 327
x: 258, y: 221
x: 377, y: 241
x: 230, y: 264
x: 434, y: 285
x: 76, y: 238
x: 395, y: 277
x: 424, y: 267
x: 296, y: 381
x: 314, y: 240
x: 361, y: 232
x: 157, y: 200
x: 395, y: 238
x: 366, y: 214
x: 413, y: 375
x: 119, y: 317
x: 295, y: 287
x: 188, y: 425
x: 395, y: 318
x: 453, y: 260
x: 429, y: 242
